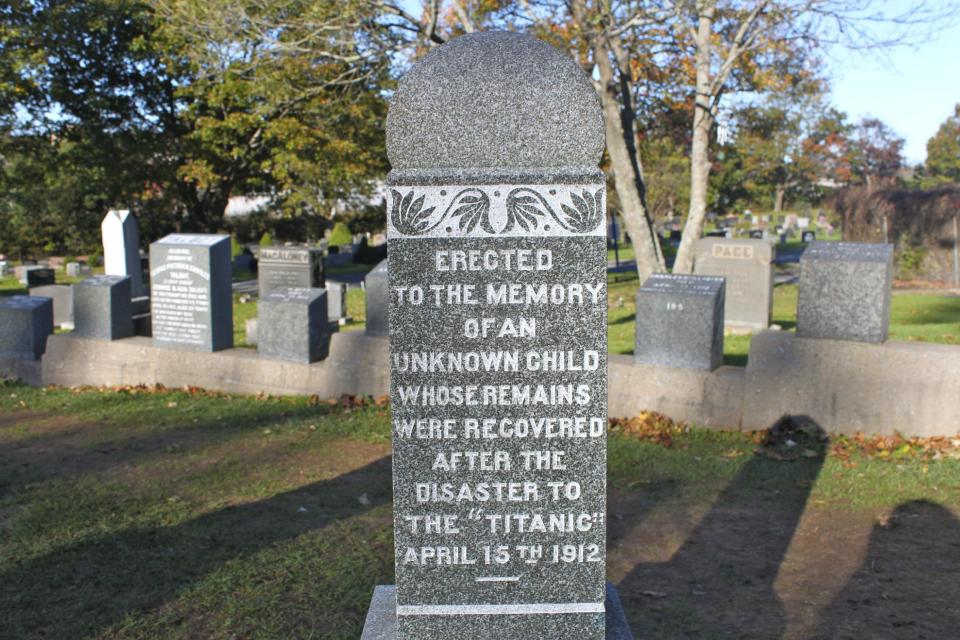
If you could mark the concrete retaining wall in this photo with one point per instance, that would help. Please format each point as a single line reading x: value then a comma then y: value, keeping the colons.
x: 705, y: 398
x: 357, y: 364
x: 23, y: 369
x: 912, y: 388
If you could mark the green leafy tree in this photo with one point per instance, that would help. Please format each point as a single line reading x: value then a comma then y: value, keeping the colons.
x: 340, y: 235
x: 943, y: 151
x: 286, y: 98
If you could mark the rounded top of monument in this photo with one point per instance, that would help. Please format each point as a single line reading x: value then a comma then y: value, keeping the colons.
x: 495, y: 100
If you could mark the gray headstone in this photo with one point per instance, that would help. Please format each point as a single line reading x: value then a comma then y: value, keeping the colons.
x: 4, y: 270
x: 845, y: 291
x: 102, y: 308
x: 337, y: 301
x: 191, y: 301
x: 73, y: 269
x: 809, y: 236
x: 680, y: 322
x: 747, y: 266
x: 62, y: 296
x: 38, y: 276
x: 377, y: 295
x: 497, y: 323
x: 25, y: 323
x: 292, y: 325
x: 250, y: 327
x: 285, y: 267
x: 121, y: 248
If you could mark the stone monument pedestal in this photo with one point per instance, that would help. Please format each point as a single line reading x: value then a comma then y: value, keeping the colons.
x: 381, y: 623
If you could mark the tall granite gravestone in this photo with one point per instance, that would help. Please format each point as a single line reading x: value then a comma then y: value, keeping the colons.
x: 680, y: 322
x: 121, y: 248
x: 497, y: 298
x: 191, y: 299
x: 285, y: 267
x: 845, y: 291
x: 102, y: 308
x: 292, y: 325
x: 377, y: 293
x: 25, y: 323
x: 747, y: 266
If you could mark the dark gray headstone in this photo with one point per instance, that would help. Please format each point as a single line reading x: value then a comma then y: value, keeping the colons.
x: 37, y: 276
x: 845, y: 291
x: 62, y: 296
x: 121, y: 248
x: 497, y: 323
x: 25, y: 323
x: 680, y: 322
x: 747, y: 266
x: 377, y: 294
x: 286, y: 267
x: 191, y: 301
x: 292, y: 325
x: 102, y: 308
x: 809, y: 236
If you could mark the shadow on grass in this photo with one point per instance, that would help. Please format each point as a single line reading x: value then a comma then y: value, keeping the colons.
x: 735, y: 359
x: 909, y: 583
x: 720, y: 582
x: 65, y: 453
x: 81, y: 590
x: 626, y: 319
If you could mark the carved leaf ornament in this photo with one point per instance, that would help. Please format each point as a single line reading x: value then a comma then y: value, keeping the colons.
x: 526, y: 209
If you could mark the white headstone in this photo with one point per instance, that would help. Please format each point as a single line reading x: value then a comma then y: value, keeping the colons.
x: 121, y: 248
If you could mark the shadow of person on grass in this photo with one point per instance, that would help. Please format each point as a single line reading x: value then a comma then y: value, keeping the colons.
x: 909, y: 583
x: 81, y: 590
x: 720, y: 583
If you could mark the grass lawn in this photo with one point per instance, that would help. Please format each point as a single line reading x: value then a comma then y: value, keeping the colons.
x: 148, y: 515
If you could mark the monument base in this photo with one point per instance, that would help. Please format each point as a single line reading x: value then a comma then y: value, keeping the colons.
x: 381, y: 623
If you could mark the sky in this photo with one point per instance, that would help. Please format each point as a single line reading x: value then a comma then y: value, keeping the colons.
x: 912, y: 89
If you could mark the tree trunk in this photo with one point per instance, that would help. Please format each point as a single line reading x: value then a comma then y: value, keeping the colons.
x: 778, y: 196
x: 626, y: 171
x: 699, y: 152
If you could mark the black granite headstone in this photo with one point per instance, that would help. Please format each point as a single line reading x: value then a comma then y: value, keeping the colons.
x: 191, y: 301
x: 498, y: 343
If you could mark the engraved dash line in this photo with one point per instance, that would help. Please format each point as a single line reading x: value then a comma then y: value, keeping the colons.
x: 547, y: 608
x: 498, y: 579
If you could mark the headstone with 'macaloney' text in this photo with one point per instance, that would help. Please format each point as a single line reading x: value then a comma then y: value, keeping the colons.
x: 498, y: 348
